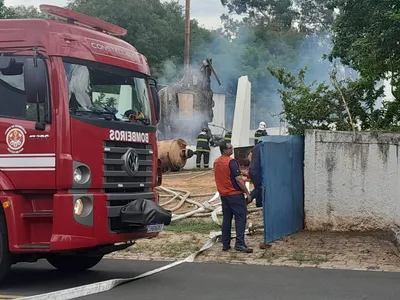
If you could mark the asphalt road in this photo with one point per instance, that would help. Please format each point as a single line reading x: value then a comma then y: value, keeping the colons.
x: 209, y: 281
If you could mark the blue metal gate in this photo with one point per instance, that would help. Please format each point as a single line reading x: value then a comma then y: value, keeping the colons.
x: 282, y: 161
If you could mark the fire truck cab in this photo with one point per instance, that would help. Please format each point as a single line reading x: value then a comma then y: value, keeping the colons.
x: 78, y: 151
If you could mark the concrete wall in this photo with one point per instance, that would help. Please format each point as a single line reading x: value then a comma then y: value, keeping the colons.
x: 351, y: 182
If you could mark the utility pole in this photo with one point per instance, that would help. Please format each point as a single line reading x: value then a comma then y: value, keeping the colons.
x: 187, y: 37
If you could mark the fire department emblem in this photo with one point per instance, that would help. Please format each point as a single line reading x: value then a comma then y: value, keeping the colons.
x: 15, y: 138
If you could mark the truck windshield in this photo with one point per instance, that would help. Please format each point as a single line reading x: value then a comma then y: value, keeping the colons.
x: 103, y: 89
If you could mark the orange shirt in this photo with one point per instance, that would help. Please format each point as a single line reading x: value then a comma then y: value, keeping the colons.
x: 226, y: 169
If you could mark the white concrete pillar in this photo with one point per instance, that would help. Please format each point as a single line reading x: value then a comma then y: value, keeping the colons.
x: 241, y: 119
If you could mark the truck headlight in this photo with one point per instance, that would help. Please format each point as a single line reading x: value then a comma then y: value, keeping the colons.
x: 78, y: 207
x: 81, y: 175
x: 83, y: 207
x: 77, y: 175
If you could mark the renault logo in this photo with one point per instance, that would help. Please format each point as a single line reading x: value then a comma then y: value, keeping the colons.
x: 131, y: 162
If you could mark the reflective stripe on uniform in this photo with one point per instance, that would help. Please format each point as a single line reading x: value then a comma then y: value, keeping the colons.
x: 202, y: 150
x: 202, y: 140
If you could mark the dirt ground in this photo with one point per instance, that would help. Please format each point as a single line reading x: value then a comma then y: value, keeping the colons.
x: 354, y: 250
x: 197, y: 182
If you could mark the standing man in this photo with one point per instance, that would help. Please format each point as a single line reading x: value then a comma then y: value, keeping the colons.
x: 231, y: 188
x: 203, y: 148
x: 261, y: 131
x: 255, y: 175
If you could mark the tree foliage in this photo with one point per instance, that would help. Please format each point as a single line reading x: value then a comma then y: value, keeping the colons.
x: 366, y: 37
x: 306, y: 15
x: 24, y: 12
x: 365, y: 40
x: 341, y: 105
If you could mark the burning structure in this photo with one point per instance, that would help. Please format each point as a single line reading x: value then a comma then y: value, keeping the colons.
x: 187, y: 106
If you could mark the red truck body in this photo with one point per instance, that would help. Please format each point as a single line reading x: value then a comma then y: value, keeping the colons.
x: 37, y: 165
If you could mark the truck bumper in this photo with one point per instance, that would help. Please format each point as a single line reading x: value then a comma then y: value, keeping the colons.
x: 103, y: 223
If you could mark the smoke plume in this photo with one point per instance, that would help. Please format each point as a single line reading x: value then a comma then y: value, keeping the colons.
x: 247, y: 56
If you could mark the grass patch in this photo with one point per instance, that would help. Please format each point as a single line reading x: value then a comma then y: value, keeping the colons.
x: 173, y: 247
x: 179, y: 249
x: 270, y: 256
x: 190, y: 225
x: 302, y: 258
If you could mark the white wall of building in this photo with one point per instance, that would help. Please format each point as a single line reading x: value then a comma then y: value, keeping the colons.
x: 219, y: 114
x: 351, y: 182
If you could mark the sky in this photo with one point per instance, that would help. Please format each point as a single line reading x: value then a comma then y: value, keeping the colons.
x: 207, y: 12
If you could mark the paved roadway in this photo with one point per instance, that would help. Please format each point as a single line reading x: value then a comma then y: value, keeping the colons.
x: 209, y: 281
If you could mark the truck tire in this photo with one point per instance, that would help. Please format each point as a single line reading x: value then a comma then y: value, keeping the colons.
x: 73, y: 263
x: 5, y: 254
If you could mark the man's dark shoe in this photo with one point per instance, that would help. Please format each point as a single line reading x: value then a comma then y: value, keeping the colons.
x: 226, y: 248
x: 244, y: 249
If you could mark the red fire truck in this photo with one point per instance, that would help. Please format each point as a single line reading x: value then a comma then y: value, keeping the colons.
x: 78, y: 151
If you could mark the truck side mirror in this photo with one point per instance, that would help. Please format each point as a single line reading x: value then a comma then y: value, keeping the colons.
x: 35, y: 80
x: 156, y: 99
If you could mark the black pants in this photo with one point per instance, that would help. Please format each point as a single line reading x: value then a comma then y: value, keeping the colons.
x: 257, y: 192
x: 234, y: 205
x: 206, y: 155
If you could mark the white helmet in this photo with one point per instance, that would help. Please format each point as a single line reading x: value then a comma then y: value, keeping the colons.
x: 262, y: 126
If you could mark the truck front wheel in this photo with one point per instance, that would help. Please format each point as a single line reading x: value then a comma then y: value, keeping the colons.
x: 73, y: 263
x: 5, y: 255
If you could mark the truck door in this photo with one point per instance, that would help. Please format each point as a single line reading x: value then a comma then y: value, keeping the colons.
x: 27, y: 147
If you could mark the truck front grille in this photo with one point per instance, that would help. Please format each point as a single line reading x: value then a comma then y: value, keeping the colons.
x: 120, y: 187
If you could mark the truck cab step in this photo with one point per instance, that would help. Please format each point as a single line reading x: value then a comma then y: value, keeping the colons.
x: 38, y: 214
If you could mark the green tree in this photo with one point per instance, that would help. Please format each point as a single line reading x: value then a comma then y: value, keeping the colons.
x: 366, y: 35
x: 24, y: 12
x: 3, y: 10
x: 305, y: 15
x: 343, y: 104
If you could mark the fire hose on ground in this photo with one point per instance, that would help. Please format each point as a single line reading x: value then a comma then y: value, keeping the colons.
x: 203, y: 209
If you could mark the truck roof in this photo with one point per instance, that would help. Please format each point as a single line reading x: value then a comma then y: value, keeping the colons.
x: 71, y: 40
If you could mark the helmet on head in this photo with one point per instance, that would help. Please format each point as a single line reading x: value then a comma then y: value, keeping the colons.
x: 262, y: 125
